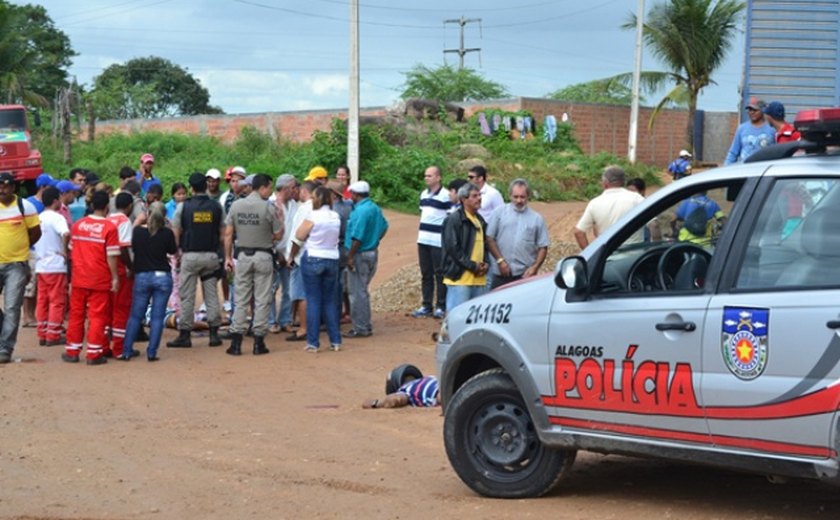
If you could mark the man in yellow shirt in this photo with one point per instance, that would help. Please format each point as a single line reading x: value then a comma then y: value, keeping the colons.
x: 19, y: 229
x: 464, y: 249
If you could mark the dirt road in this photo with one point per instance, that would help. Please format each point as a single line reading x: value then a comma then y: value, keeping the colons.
x: 203, y: 435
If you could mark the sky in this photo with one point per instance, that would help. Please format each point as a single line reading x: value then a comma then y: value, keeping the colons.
x: 281, y: 55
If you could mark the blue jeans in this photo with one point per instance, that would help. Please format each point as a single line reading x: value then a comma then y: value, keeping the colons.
x: 280, y: 281
x: 154, y: 286
x: 320, y: 278
x: 458, y: 294
x: 13, y: 277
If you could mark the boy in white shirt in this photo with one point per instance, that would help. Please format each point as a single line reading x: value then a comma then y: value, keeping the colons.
x: 51, y: 271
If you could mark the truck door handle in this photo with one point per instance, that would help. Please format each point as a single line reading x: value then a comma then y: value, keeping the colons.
x: 833, y: 324
x: 686, y: 326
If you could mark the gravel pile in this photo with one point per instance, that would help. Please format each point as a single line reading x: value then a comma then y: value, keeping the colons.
x: 401, y: 293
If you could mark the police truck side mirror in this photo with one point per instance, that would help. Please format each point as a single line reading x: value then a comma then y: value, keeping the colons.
x: 571, y: 273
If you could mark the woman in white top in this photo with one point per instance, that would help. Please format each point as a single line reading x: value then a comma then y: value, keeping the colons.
x: 319, y: 266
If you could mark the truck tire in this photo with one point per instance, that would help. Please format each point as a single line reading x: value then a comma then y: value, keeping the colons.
x: 492, y: 442
x: 399, y: 376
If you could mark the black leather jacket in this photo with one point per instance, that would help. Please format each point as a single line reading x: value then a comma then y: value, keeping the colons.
x: 458, y: 241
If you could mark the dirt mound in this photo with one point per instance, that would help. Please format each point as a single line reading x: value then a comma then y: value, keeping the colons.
x: 401, y: 292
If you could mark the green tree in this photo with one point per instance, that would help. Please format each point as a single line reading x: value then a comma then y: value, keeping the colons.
x: 691, y: 38
x: 608, y: 90
x: 149, y: 87
x: 34, y: 55
x: 447, y: 83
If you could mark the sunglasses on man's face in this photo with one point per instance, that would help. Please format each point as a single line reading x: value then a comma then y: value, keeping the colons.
x: 470, y: 176
x: 751, y: 109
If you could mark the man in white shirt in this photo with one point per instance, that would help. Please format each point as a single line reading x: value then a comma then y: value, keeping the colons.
x: 51, y: 270
x: 608, y: 207
x: 285, y: 202
x: 491, y: 199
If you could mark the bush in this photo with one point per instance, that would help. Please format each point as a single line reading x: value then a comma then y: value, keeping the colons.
x: 556, y: 171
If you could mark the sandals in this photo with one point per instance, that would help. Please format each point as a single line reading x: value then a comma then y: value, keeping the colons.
x: 296, y: 337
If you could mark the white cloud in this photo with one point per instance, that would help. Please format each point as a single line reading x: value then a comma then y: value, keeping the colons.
x: 328, y: 85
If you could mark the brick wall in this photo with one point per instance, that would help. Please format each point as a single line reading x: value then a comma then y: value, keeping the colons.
x: 598, y: 128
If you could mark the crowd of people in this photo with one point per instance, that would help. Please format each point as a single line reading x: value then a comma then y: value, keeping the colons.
x: 111, y: 261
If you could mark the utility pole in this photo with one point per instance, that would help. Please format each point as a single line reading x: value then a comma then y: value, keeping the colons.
x: 637, y: 73
x: 353, y: 109
x: 461, y: 51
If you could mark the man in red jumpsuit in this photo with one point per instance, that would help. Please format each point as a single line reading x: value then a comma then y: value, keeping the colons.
x: 95, y: 245
x: 121, y: 300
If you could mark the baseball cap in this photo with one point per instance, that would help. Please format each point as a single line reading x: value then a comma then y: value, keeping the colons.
x: 213, y: 173
x: 318, y: 172
x: 62, y: 186
x: 247, y: 180
x: 685, y: 153
x: 755, y: 103
x: 45, y: 179
x: 238, y: 170
x: 775, y: 110
x: 147, y: 157
x: 360, y: 187
x: 7, y: 178
x: 284, y: 180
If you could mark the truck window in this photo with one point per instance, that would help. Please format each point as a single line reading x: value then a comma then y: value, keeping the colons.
x: 796, y: 239
x: 12, y: 120
x: 680, y: 237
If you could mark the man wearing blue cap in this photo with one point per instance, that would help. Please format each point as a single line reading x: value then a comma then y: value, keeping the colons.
x: 785, y: 132
x: 42, y: 182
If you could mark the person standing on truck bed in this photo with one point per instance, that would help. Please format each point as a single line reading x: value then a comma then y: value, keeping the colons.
x: 751, y: 135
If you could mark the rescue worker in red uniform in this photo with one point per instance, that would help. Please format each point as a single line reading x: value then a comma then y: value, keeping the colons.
x: 119, y: 312
x: 94, y: 244
x: 785, y: 132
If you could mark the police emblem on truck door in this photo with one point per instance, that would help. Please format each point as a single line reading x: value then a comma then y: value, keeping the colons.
x: 745, y: 341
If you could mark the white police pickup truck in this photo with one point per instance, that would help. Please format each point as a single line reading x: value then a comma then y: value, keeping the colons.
x: 716, y: 347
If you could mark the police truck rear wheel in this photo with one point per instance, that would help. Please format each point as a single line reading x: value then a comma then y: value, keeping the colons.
x: 492, y: 442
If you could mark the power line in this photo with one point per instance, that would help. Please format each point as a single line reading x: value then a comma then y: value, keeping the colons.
x: 432, y: 9
x: 108, y: 15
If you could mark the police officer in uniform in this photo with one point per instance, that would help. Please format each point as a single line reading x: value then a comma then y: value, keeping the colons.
x: 256, y: 227
x: 198, y: 227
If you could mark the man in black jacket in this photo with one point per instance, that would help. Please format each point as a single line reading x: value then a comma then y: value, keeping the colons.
x: 465, y: 249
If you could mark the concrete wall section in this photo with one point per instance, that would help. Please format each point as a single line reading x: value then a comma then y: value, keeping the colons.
x: 598, y: 128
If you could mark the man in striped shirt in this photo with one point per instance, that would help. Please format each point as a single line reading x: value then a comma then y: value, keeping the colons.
x: 421, y: 393
x: 434, y: 206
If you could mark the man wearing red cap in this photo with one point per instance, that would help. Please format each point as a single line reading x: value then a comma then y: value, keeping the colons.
x: 144, y: 175
x: 751, y: 135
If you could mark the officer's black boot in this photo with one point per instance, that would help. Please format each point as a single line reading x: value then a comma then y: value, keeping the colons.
x: 235, y: 348
x: 259, y: 346
x: 182, y: 341
x: 215, y: 340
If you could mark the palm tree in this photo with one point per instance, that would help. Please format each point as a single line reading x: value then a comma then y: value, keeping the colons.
x: 16, y: 61
x: 691, y: 38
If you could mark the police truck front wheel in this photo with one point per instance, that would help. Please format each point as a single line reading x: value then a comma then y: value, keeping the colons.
x: 492, y: 442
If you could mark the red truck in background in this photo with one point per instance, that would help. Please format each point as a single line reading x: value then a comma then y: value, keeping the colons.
x: 16, y: 152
